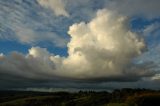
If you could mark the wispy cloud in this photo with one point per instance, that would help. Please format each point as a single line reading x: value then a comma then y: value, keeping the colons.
x: 27, y: 23
x: 57, y: 6
x: 142, y: 8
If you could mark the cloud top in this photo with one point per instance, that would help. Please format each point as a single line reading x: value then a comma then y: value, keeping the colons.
x: 104, y: 47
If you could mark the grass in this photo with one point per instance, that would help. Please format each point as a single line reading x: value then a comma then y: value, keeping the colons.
x: 117, y: 104
x: 124, y: 97
x: 28, y: 100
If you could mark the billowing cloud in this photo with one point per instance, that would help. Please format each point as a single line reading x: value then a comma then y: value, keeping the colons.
x: 102, y: 49
x: 57, y: 6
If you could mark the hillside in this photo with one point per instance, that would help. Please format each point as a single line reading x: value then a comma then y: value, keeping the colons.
x: 124, y: 97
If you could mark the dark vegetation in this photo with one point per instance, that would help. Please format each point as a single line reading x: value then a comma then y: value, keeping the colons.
x: 123, y: 97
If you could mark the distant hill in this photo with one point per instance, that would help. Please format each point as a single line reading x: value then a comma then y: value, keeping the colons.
x: 123, y: 97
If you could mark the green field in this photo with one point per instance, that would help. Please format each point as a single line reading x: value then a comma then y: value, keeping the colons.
x: 124, y: 97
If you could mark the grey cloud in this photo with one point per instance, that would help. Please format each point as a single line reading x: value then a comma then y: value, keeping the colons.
x: 147, y: 9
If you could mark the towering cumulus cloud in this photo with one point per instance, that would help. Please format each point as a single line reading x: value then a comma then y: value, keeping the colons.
x: 100, y: 49
x: 104, y: 47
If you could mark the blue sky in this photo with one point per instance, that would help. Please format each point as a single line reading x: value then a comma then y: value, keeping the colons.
x: 50, y: 33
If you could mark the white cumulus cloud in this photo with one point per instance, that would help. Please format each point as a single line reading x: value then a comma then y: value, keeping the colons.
x: 100, y: 49
x: 103, y: 47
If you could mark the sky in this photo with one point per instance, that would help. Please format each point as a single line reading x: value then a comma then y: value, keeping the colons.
x: 79, y: 44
